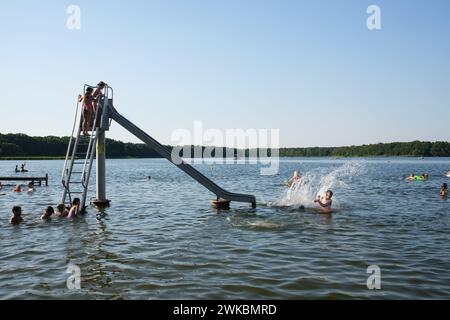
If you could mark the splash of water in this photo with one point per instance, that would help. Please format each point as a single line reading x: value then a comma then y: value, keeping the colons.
x: 304, y: 191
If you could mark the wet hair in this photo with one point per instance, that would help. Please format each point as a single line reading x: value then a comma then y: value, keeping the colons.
x: 60, y: 207
x: 101, y: 84
x: 16, y: 209
x: 331, y: 192
x: 444, y: 186
x: 89, y: 90
x: 50, y: 210
x: 76, y: 201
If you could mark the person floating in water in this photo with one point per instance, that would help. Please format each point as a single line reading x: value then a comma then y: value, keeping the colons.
x: 422, y: 177
x: 22, y: 168
x: 296, y: 177
x: 16, y: 216
x: 61, y: 211
x: 48, y: 214
x: 425, y: 176
x: 325, y: 202
x: 444, y: 190
x: 411, y: 177
x: 18, y: 188
x: 17, y: 169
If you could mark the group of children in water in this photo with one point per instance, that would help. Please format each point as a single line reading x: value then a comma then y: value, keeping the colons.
x: 18, y: 188
x: 324, y: 201
x: 61, y: 212
x: 22, y: 168
x: 443, y: 190
x: 413, y: 176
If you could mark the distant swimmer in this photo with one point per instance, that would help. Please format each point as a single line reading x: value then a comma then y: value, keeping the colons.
x: 411, y: 177
x: 296, y: 177
x: 17, y: 169
x: 422, y: 177
x: 31, y: 187
x: 444, y: 190
x: 18, y: 188
x: 16, y: 216
x: 48, y: 214
x: 325, y: 203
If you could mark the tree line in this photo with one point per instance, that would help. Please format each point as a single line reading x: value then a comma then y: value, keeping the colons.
x: 21, y: 145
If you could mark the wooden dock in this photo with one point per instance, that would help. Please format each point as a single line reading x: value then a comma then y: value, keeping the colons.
x: 35, y: 180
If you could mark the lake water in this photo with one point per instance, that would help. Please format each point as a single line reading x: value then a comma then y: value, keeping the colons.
x: 161, y: 239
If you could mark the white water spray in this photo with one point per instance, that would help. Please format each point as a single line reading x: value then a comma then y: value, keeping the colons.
x: 304, y: 191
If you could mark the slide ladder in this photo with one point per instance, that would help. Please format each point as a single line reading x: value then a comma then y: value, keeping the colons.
x: 79, y: 161
x: 176, y: 160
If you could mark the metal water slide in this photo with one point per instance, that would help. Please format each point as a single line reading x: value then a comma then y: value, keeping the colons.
x: 176, y: 160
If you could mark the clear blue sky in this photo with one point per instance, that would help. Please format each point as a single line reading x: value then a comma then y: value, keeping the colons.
x: 309, y: 68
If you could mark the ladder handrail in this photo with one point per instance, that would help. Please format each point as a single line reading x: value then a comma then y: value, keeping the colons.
x: 70, y: 139
x: 72, y: 150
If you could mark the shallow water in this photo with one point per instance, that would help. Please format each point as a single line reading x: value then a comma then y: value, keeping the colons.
x: 160, y: 239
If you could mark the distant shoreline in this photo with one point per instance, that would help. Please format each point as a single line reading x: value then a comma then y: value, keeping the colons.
x: 31, y: 158
x: 24, y: 147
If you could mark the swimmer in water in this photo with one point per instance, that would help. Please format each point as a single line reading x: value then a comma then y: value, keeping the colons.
x: 16, y: 216
x: 444, y: 190
x: 296, y: 177
x: 18, y: 188
x: 411, y: 177
x: 325, y: 203
x: 31, y: 187
x: 48, y: 214
x: 61, y: 211
x: 75, y: 210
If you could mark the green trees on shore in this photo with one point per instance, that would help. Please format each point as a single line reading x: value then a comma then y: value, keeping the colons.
x: 21, y: 145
